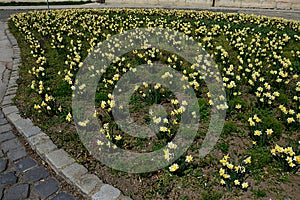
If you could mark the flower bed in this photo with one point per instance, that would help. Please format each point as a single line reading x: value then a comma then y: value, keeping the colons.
x: 257, y: 57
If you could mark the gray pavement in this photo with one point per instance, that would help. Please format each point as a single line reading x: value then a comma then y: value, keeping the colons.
x: 5, y: 59
x: 22, y: 176
x: 287, y: 14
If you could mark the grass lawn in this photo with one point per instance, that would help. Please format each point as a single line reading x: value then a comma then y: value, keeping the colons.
x: 257, y: 154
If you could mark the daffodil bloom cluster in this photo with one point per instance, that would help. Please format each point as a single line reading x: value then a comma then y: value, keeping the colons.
x: 168, y: 151
x: 169, y: 155
x: 257, y: 63
x: 233, y: 175
x: 253, y: 120
x: 291, y: 116
x: 259, y: 135
x: 261, y: 64
x: 287, y: 156
x: 112, y: 139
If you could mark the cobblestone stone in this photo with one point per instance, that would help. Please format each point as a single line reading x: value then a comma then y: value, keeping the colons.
x: 107, y: 192
x: 87, y: 183
x: 45, y: 148
x: 3, y: 121
x: 8, y: 178
x: 5, y: 128
x: 18, y: 192
x: 25, y: 164
x: 8, y: 99
x: 59, y: 159
x: 6, y: 103
x: 1, y: 193
x: 16, y: 154
x: 23, y: 124
x: 10, y: 109
x: 63, y: 196
x: 37, y: 139
x: 31, y: 131
x: 74, y: 171
x: 13, y: 117
x: 36, y: 174
x: 47, y: 187
x: 10, y: 145
x: 10, y: 92
x: 3, y: 164
x: 6, y: 136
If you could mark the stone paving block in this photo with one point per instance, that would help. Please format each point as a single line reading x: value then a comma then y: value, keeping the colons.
x: 23, y: 124
x: 10, y: 109
x: 36, y: 174
x: 1, y: 193
x: 45, y: 147
x: 11, y: 144
x: 11, y: 91
x: 3, y: 121
x: 14, y: 74
x: 1, y: 153
x: 48, y: 187
x: 64, y: 196
x: 3, y: 164
x: 87, y: 183
x: 8, y: 178
x: 74, y: 171
x: 59, y: 159
x: 12, y: 81
x: 16, y: 154
x: 6, y: 136
x: 8, y: 98
x: 6, y: 103
x: 31, y: 131
x: 107, y: 192
x: 13, y: 87
x: 18, y: 192
x: 37, y: 139
x: 25, y: 164
x: 13, y: 117
x: 5, y: 128
x: 17, y: 53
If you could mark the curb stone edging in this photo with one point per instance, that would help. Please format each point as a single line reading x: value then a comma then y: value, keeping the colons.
x: 59, y: 160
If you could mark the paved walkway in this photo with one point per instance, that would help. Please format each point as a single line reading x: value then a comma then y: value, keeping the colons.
x: 288, y: 14
x: 22, y: 173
